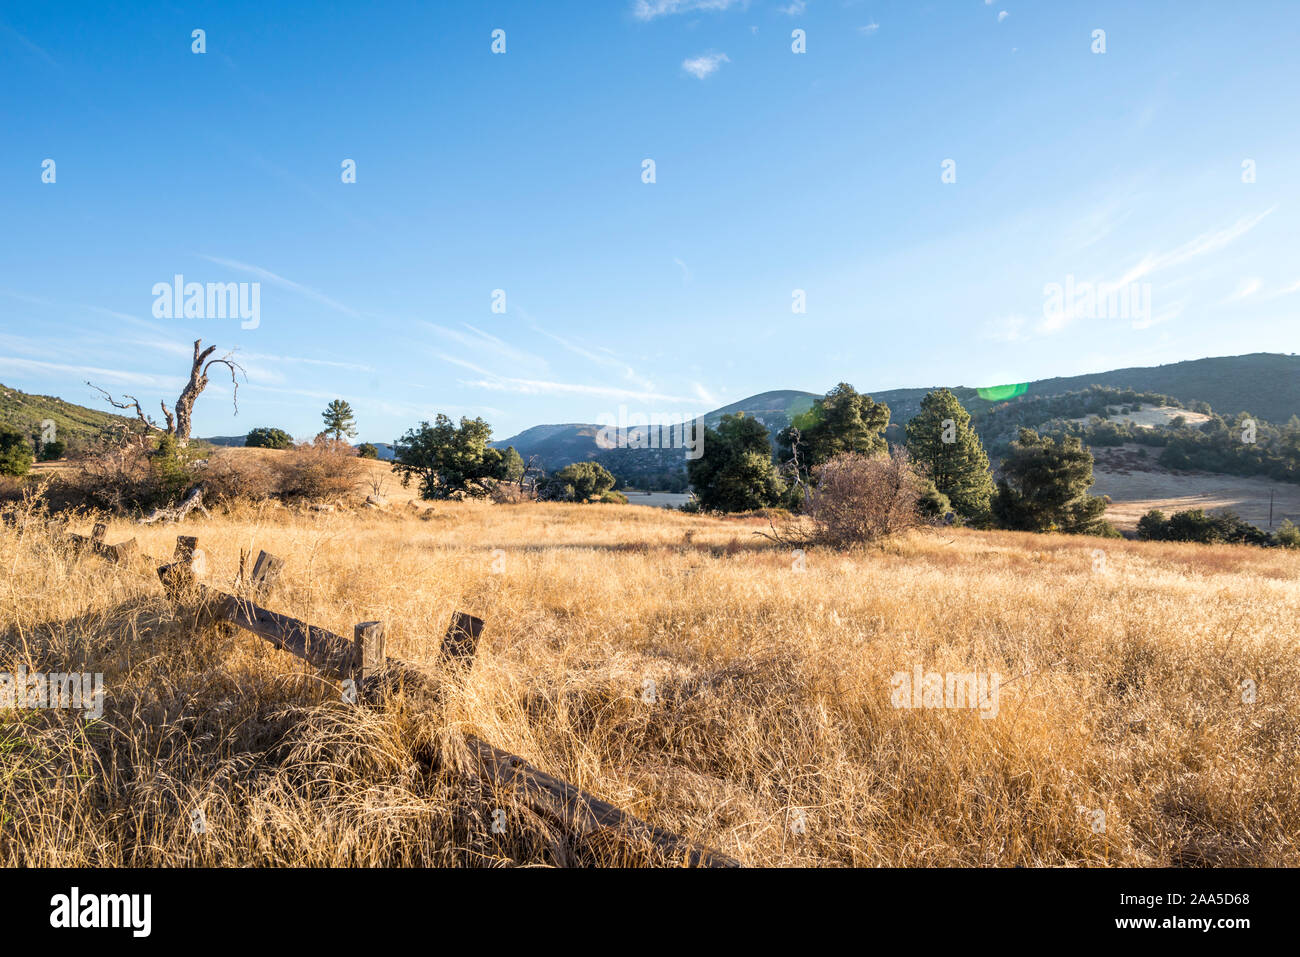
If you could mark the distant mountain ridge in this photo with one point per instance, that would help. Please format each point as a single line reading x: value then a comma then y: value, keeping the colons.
x: 1264, y: 384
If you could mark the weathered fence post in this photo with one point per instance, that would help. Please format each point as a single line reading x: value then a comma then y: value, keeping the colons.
x: 266, y: 571
x: 124, y: 551
x: 461, y: 641
x: 188, y: 562
x: 370, y: 662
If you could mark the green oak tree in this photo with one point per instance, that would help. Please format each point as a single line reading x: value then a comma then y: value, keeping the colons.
x: 578, y: 482
x: 268, y: 438
x: 448, y: 459
x: 843, y: 420
x: 735, y: 472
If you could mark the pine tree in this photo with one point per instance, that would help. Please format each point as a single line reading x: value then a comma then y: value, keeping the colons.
x: 843, y: 420
x: 1045, y: 488
x: 339, y: 420
x: 941, y: 441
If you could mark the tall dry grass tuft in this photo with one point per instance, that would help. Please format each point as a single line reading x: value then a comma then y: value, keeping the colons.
x: 680, y: 666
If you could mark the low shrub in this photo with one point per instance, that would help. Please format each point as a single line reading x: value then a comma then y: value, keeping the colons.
x: 52, y: 451
x: 230, y: 478
x: 1196, y: 525
x: 15, y: 453
x: 579, y: 482
x: 508, y: 493
x: 862, y: 498
x: 268, y: 438
x: 322, y: 469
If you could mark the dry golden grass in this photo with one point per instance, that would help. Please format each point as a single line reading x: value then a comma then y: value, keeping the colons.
x: 772, y: 696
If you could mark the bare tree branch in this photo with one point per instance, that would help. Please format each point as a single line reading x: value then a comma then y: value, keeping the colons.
x: 133, y: 404
x: 233, y: 366
x: 180, y: 418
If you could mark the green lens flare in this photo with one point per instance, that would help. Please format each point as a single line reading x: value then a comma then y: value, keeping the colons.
x: 1000, y: 393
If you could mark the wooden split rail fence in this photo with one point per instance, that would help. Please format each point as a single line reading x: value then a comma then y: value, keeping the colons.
x: 377, y: 676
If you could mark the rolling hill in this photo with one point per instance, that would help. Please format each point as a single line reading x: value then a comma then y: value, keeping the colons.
x: 74, y: 424
x: 1264, y: 384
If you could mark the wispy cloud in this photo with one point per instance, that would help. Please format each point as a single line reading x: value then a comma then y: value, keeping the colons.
x: 31, y: 46
x: 604, y: 358
x: 162, y: 345
x: 483, y: 342
x: 31, y: 347
x: 1286, y: 290
x: 24, y: 297
x: 1206, y: 243
x: 704, y: 394
x: 119, y: 376
x: 1162, y: 315
x: 520, y: 386
x: 1130, y: 284
x: 704, y: 65
x: 268, y: 276
x: 795, y: 8
x: 304, y: 360
x: 187, y: 351
x: 1002, y: 15
x: 869, y: 29
x: 367, y: 405
x: 1245, y: 289
x: 653, y: 9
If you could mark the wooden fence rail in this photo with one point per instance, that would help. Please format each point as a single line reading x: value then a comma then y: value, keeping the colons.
x: 122, y: 552
x: 377, y: 677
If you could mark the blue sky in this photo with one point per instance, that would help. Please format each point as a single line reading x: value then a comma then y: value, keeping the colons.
x: 775, y: 171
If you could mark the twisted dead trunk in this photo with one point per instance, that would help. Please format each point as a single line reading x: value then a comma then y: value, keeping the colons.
x: 179, y: 420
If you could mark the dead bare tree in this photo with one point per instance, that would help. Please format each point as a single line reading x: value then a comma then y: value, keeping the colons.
x: 179, y: 419
x: 531, y: 477
x: 794, y: 469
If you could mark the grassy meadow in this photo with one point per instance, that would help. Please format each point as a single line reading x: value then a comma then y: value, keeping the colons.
x: 683, y: 667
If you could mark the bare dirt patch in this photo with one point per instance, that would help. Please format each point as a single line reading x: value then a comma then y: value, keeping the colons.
x: 1136, y: 485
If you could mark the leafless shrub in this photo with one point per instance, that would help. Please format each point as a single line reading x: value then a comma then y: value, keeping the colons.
x: 378, y: 484
x: 510, y: 493
x: 322, y: 469
x: 857, y: 499
x: 862, y: 498
x: 232, y: 478
x: 114, y: 475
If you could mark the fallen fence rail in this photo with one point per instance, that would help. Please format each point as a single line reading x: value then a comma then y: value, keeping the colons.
x: 122, y: 552
x: 377, y: 676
